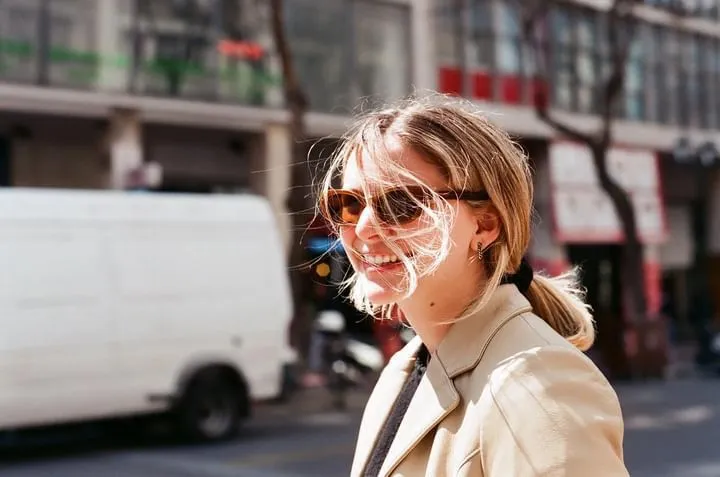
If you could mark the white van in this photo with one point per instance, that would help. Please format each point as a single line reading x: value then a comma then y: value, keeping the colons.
x: 115, y: 304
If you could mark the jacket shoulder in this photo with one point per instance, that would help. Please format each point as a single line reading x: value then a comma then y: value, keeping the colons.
x: 549, y: 412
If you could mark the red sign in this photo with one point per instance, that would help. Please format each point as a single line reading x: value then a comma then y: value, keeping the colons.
x: 241, y: 49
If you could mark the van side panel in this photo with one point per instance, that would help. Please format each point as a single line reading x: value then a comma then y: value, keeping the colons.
x: 106, y: 299
x: 188, y: 295
x: 55, y: 345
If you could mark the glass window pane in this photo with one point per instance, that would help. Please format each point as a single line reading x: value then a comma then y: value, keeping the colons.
x: 509, y: 54
x: 481, y: 45
x: 73, y: 39
x: 586, y: 30
x: 18, y: 50
x: 563, y: 79
x: 321, y: 34
x: 561, y: 26
x: 446, y: 32
x: 383, y: 50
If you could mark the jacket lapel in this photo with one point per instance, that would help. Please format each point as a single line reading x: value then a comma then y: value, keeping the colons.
x: 381, y: 402
x: 435, y: 398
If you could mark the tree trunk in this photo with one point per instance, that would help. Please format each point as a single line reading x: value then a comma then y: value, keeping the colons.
x: 635, y: 307
x: 632, y: 267
x: 299, y: 199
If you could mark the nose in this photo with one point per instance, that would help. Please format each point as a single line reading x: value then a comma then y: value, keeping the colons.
x: 367, y: 226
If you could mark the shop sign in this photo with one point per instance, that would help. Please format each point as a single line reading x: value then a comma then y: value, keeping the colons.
x: 582, y: 210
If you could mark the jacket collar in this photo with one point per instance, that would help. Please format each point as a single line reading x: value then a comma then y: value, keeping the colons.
x: 436, y: 396
x: 466, y: 341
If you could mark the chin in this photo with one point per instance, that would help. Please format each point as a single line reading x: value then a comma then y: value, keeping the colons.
x: 382, y: 294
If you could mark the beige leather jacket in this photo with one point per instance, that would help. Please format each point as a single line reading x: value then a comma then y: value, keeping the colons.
x: 503, y: 396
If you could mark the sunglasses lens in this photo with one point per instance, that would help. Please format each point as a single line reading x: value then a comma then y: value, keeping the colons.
x: 343, y: 208
x: 397, y: 206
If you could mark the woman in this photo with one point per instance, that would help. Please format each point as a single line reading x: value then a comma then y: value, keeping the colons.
x: 434, y: 212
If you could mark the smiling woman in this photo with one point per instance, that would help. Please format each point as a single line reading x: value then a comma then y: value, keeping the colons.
x: 434, y: 211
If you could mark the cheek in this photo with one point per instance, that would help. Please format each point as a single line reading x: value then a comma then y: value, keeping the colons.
x: 347, y: 237
x: 462, y: 234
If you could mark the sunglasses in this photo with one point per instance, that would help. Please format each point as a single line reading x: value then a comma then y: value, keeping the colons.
x: 396, y: 206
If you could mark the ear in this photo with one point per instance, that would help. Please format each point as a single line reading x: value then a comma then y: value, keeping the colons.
x: 487, y: 227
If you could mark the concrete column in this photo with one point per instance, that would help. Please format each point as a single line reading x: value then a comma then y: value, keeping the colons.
x: 271, y: 177
x: 125, y: 146
x: 424, y: 62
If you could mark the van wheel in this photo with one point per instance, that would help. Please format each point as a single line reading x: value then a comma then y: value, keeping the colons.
x: 210, y: 408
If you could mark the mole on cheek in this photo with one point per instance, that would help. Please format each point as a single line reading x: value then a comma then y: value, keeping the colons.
x: 432, y: 303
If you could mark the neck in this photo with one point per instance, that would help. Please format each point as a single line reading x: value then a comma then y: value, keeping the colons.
x: 431, y: 318
x: 433, y: 307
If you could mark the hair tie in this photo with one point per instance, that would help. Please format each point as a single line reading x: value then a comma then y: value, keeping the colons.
x: 522, y: 278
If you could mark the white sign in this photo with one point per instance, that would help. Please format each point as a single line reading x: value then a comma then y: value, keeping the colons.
x: 584, y: 213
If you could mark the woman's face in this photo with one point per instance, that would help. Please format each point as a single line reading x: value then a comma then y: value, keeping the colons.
x: 386, y: 283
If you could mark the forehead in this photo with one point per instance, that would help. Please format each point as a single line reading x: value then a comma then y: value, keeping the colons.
x: 394, y: 164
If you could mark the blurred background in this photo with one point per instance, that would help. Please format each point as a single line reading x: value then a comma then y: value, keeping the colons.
x: 617, y: 104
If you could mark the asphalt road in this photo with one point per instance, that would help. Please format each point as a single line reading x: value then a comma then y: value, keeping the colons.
x: 672, y: 430
x: 285, y: 446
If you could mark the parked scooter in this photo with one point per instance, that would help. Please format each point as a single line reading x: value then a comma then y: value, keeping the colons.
x: 346, y: 361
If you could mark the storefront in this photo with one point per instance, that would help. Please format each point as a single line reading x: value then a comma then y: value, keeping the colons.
x: 690, y: 258
x: 579, y: 227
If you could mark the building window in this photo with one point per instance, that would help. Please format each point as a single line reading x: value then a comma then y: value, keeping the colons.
x: 653, y: 85
x: 563, y: 64
x: 588, y: 62
x: 19, y: 46
x: 72, y: 53
x: 511, y: 65
x: 706, y: 87
x: 321, y: 32
x: 481, y: 54
x: 667, y: 75
x: 481, y: 34
x: 382, y: 43
x: 635, y: 80
x: 687, y: 87
x: 345, y: 49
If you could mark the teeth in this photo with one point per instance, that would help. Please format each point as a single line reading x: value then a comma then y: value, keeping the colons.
x: 380, y: 259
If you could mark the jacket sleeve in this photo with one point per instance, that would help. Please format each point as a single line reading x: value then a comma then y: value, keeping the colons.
x: 552, y: 414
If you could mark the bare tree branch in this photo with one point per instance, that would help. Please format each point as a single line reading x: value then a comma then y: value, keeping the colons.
x: 620, y: 33
x: 291, y: 84
x: 299, y: 201
x: 532, y: 26
x: 564, y: 128
x: 620, y: 28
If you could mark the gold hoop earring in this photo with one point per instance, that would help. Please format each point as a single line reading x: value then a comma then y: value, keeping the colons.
x: 480, y: 252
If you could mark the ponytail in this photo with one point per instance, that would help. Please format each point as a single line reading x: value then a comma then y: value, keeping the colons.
x: 560, y: 302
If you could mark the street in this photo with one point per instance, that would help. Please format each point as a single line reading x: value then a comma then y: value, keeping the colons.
x: 672, y: 429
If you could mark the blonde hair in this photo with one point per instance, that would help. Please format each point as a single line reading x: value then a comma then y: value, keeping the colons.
x: 472, y: 154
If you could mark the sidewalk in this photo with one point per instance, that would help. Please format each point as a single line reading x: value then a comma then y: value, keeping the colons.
x: 309, y: 401
x: 672, y: 427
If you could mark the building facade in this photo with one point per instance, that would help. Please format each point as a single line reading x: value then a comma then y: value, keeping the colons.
x: 666, y: 136
x: 187, y: 95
